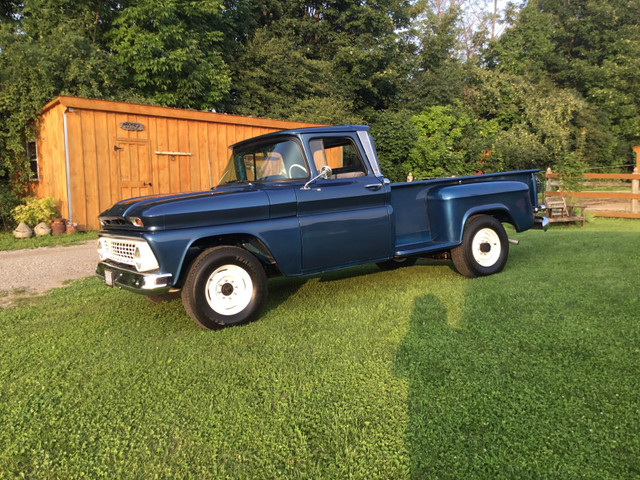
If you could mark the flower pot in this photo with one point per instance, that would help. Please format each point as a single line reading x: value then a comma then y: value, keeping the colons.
x: 58, y: 226
x: 72, y: 227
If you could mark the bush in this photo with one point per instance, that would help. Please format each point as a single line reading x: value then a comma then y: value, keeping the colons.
x: 8, y: 201
x: 35, y: 211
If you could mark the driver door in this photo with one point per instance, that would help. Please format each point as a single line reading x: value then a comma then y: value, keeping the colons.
x: 345, y: 219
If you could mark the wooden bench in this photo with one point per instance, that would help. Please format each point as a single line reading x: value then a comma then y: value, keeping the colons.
x: 558, y: 211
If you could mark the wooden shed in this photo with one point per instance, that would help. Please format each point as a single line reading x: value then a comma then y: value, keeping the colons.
x: 92, y: 153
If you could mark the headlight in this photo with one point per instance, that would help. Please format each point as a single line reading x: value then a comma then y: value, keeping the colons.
x: 144, y: 259
x: 102, y: 251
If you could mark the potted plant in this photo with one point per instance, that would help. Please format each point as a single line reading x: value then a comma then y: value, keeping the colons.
x: 34, y: 211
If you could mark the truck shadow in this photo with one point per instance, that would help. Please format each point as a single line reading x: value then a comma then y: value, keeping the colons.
x: 282, y: 288
x: 371, y: 269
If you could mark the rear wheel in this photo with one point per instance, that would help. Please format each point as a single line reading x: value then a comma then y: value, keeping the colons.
x: 484, y: 249
x: 224, y: 286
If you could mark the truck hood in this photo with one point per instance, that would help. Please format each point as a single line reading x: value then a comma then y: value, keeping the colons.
x: 222, y: 205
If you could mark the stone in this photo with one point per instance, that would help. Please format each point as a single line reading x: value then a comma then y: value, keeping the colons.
x: 41, y: 229
x: 22, y: 231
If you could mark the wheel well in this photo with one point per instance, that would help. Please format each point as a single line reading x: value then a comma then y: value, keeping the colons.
x: 502, y: 216
x: 247, y: 242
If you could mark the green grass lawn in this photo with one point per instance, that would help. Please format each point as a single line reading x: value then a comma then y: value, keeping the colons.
x: 415, y: 373
x: 8, y: 242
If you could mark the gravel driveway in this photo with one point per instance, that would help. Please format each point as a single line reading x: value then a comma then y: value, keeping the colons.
x: 34, y: 271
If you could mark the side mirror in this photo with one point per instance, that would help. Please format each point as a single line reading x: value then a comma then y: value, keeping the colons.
x: 325, y: 174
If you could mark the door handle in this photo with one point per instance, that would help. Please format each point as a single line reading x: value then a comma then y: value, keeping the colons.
x: 374, y: 186
x: 145, y: 184
x: 116, y: 148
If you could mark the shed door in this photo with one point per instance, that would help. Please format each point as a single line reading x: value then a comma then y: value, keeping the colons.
x: 134, y: 167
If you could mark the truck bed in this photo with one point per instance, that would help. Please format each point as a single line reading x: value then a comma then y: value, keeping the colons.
x: 422, y: 209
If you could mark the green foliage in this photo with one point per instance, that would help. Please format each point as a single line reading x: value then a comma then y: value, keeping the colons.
x: 395, y: 135
x: 168, y: 52
x: 48, y: 48
x: 559, y: 84
x: 592, y: 48
x: 164, y: 53
x: 571, y: 173
x: 414, y: 373
x: 34, y: 211
x: 437, y: 152
x: 339, y: 60
x: 276, y: 80
x: 437, y: 74
x: 531, y: 123
x: 8, y: 201
x: 43, y: 54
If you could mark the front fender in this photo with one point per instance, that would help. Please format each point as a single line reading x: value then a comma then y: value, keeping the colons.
x: 280, y: 236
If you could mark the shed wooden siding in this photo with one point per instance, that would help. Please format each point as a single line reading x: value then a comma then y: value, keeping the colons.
x: 177, y: 151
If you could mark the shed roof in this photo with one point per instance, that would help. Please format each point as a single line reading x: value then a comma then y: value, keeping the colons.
x: 167, y: 112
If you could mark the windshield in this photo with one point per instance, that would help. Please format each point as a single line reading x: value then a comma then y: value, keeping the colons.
x: 274, y: 161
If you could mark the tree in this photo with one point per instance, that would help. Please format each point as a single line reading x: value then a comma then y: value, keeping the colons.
x: 437, y: 72
x: 438, y: 151
x: 395, y: 135
x: 589, y: 47
x: 321, y: 54
x: 167, y: 52
x: 47, y: 48
x: 279, y: 81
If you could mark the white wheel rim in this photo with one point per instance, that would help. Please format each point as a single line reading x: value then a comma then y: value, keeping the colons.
x: 486, y: 247
x: 229, y: 290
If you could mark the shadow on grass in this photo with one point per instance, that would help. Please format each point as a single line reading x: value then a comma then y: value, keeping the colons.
x: 518, y: 376
x: 280, y: 290
x: 420, y: 367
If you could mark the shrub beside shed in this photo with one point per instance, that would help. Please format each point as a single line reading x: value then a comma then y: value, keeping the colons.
x: 92, y: 153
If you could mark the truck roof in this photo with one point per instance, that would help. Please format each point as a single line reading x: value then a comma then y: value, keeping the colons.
x: 304, y: 131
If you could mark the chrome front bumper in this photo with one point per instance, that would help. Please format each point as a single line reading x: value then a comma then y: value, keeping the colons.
x: 145, y: 283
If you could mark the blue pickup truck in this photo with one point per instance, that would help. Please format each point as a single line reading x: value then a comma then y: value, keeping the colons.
x: 300, y: 202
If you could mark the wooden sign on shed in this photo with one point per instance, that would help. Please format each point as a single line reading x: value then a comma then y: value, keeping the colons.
x: 92, y: 153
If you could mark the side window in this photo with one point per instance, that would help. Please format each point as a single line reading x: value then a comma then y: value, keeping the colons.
x: 340, y: 154
x: 32, y: 153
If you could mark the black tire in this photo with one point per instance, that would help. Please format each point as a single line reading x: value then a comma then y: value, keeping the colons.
x: 484, y: 249
x: 397, y: 263
x: 225, y: 286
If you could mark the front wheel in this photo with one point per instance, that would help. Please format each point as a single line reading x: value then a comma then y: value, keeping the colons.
x: 224, y: 286
x: 484, y: 249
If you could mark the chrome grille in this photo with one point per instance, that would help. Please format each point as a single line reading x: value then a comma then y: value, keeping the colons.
x: 120, y: 251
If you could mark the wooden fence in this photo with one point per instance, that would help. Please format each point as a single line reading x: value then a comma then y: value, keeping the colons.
x: 630, y: 209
